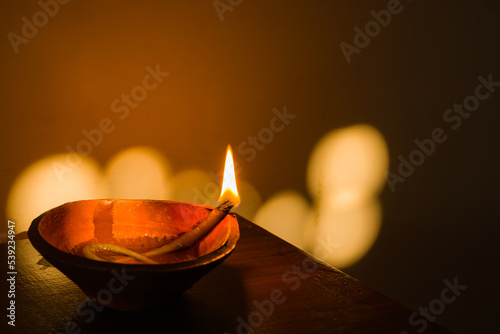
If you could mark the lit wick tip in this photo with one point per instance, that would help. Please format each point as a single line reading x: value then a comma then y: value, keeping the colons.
x: 229, y: 199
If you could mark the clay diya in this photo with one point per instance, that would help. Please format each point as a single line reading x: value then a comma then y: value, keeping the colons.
x: 142, y: 226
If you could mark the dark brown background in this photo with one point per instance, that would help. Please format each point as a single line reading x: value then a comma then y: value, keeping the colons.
x: 227, y: 76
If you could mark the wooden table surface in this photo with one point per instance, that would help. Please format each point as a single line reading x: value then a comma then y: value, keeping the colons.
x: 265, y: 286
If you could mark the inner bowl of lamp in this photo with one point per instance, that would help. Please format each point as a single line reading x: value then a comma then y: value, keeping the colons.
x: 60, y: 234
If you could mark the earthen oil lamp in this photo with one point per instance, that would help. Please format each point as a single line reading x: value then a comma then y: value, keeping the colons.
x: 138, y: 254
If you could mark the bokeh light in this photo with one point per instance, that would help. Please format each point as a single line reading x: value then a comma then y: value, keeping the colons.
x: 348, y: 164
x: 346, y: 171
x: 139, y: 173
x: 50, y: 182
x: 344, y: 234
x: 286, y: 215
x: 194, y: 186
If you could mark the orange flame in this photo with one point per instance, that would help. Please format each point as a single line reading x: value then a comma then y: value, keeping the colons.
x: 229, y: 191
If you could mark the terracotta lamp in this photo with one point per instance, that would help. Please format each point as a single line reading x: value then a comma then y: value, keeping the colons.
x: 137, y: 254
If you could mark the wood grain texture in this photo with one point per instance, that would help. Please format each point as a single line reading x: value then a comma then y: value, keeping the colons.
x: 265, y: 286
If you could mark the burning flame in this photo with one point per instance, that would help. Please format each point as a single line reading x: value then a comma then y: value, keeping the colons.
x: 229, y: 191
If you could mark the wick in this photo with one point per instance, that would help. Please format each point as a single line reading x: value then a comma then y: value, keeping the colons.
x: 189, y: 238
